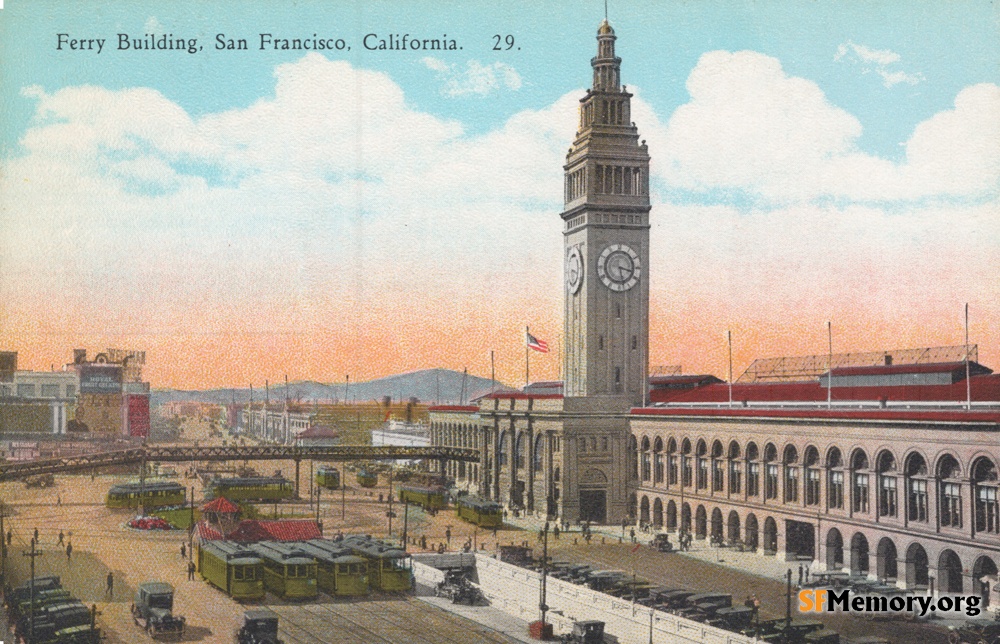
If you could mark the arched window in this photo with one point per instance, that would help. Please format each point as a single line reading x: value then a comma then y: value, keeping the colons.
x: 702, y: 463
x: 539, y: 453
x: 753, y: 470
x: 735, y: 471
x: 885, y: 466
x: 672, y: 465
x: 504, y: 449
x: 791, y: 460
x: 949, y: 479
x: 984, y: 477
x: 718, y: 467
x: 811, y: 464
x: 916, y: 488
x: 658, y: 460
x: 859, y: 489
x: 835, y: 479
x: 646, y: 473
x: 770, y: 472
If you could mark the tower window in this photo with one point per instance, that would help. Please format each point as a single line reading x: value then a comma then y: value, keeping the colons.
x: 635, y: 343
x: 618, y: 310
x: 618, y: 375
x: 600, y: 343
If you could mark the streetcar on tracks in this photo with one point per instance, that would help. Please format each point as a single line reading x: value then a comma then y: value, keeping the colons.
x: 428, y: 497
x: 148, y: 494
x: 235, y: 569
x: 250, y: 488
x: 328, y: 477
x: 339, y: 572
x: 389, y: 567
x: 367, y: 478
x: 483, y: 513
x: 289, y: 571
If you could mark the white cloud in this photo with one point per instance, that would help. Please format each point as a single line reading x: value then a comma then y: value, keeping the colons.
x: 475, y: 79
x: 878, y: 61
x: 751, y: 127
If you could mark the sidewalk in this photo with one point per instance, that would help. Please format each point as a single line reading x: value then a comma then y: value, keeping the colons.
x: 492, y: 619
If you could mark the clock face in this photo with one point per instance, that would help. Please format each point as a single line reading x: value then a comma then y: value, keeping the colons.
x: 574, y: 270
x: 618, y: 267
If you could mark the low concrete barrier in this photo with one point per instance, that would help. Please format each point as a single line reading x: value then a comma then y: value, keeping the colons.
x: 516, y: 591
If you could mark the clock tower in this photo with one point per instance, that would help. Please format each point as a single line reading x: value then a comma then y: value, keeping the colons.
x: 606, y: 232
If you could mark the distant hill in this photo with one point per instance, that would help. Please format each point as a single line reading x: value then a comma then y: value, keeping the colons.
x: 428, y: 386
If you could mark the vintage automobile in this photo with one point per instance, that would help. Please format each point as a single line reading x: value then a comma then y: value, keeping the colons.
x: 733, y: 618
x: 975, y: 631
x: 457, y: 587
x: 41, y: 480
x: 260, y: 626
x: 153, y: 610
x: 662, y: 543
x: 588, y: 632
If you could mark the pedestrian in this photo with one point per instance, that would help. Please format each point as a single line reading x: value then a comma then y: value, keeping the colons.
x: 494, y: 534
x: 10, y: 536
x: 800, y: 574
x: 191, y: 571
x: 69, y: 551
x: 183, y: 551
x: 541, y: 534
x: 36, y: 535
x: 61, y: 537
x: 555, y: 532
x: 807, y: 574
x: 111, y: 585
x: 447, y: 535
x: 631, y: 534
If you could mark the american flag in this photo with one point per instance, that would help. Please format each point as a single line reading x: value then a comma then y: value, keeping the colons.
x: 536, y: 344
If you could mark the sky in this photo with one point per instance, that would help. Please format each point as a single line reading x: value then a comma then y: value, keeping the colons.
x: 242, y: 215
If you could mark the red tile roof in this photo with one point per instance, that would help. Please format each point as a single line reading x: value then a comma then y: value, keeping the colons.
x: 221, y: 504
x: 275, y: 530
x: 318, y: 431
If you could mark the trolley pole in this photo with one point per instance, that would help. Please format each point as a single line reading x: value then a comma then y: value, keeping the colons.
x: 343, y: 491
x: 542, y: 606
x: 191, y: 530
x: 390, y: 500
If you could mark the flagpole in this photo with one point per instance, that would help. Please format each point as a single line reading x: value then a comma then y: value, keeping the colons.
x: 968, y: 383
x: 527, y: 373
x: 493, y: 374
x: 729, y: 338
x: 829, y: 366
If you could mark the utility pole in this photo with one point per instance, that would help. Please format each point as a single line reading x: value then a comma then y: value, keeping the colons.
x: 389, y: 514
x: 542, y: 606
x: 788, y: 607
x: 31, y: 589
x: 406, y: 522
x: 343, y: 491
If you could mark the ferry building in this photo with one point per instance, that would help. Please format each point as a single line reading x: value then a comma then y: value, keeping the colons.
x: 882, y: 464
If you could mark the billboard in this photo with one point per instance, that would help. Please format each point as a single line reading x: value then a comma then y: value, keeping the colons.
x: 100, y: 379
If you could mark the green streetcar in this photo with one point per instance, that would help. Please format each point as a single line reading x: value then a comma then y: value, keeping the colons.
x: 340, y: 573
x: 232, y: 568
x: 328, y: 477
x: 388, y: 566
x: 429, y: 498
x: 367, y: 478
x: 483, y: 513
x: 289, y: 572
x: 150, y: 494
x: 250, y: 488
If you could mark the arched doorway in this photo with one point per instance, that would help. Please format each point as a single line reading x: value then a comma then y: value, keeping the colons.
x: 770, y: 536
x: 885, y: 560
x: 752, y: 539
x: 686, y: 518
x: 671, y: 516
x: 859, y: 554
x: 917, y: 566
x: 644, y: 510
x: 717, y: 525
x: 657, y: 513
x: 733, y: 532
x: 984, y: 576
x: 834, y: 550
x: 950, y: 572
x: 700, y: 522
x: 633, y: 506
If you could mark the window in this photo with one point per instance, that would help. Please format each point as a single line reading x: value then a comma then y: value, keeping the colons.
x: 658, y: 468
x: 645, y: 466
x: 951, y: 505
x: 555, y: 474
x: 753, y: 479
x: 812, y: 486
x: 600, y: 343
x: 50, y: 391
x: 635, y: 343
x: 860, y: 497
x: 791, y: 485
x: 702, y: 474
x: 918, y: 500
x: 887, y: 497
x: 771, y: 482
x: 618, y: 310
x: 734, y: 477
x: 686, y: 471
x: 987, y: 516
x: 835, y: 493
x: 718, y: 476
x: 672, y: 472
x: 604, y: 443
x: 618, y: 375
x: 26, y: 390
